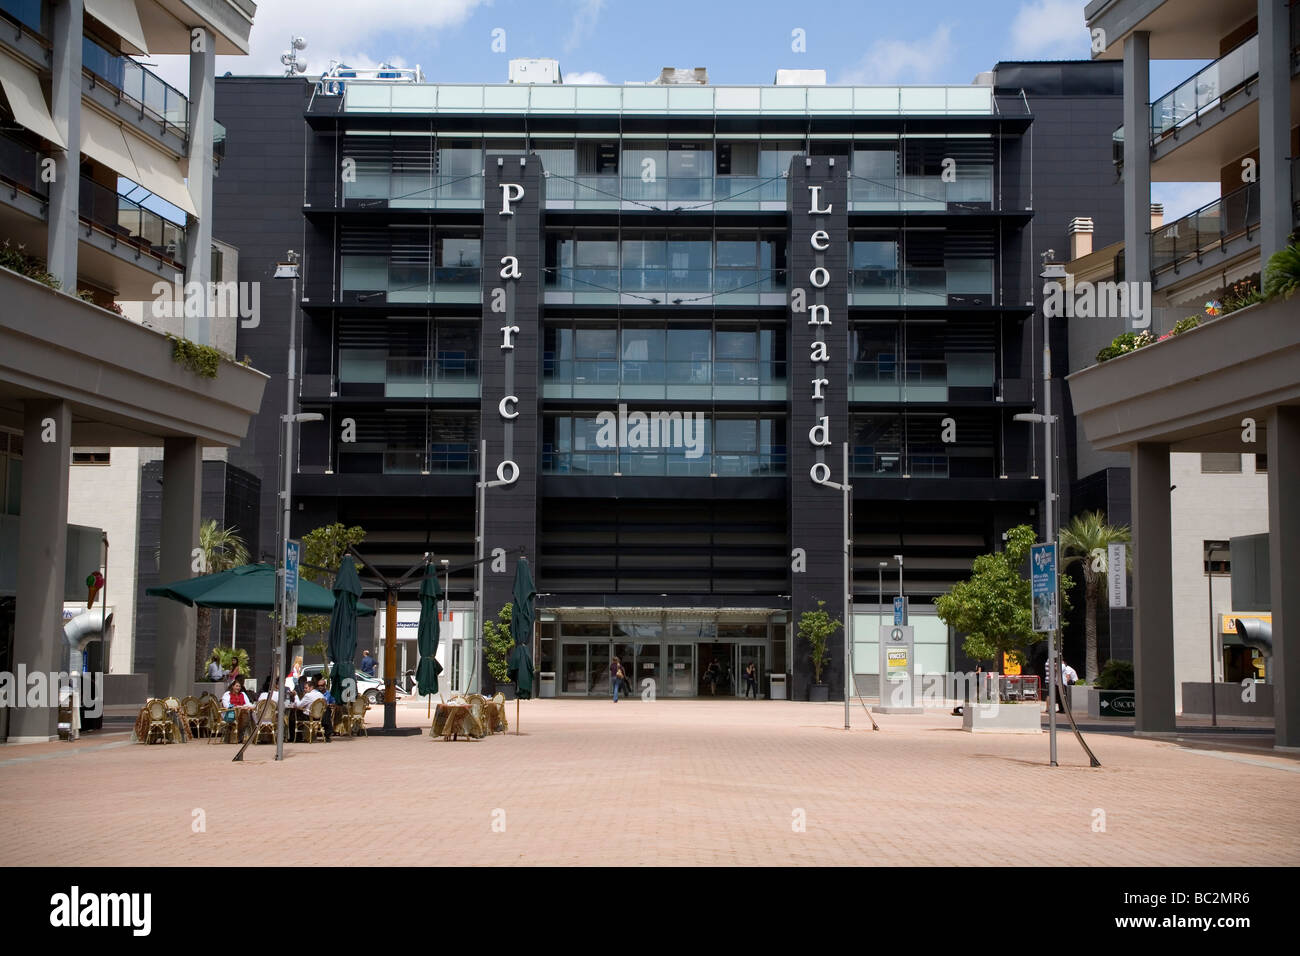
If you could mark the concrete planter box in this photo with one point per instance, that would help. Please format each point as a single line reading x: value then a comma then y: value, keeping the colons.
x: 1023, y: 718
x: 1227, y: 700
x: 1079, y: 698
x: 819, y: 693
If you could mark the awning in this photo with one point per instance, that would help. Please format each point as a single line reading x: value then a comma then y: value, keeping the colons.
x: 23, y: 89
x: 121, y: 17
x: 113, y: 145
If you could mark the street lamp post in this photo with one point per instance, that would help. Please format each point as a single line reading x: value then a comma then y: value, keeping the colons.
x: 847, y: 489
x: 286, y: 270
x: 1209, y: 584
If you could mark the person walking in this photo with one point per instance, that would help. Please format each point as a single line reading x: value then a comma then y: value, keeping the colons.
x: 616, y: 676
x: 751, y: 680
x: 367, y: 664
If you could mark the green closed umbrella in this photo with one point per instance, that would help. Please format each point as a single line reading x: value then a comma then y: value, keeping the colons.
x: 250, y: 587
x: 426, y: 675
x: 520, y: 663
x: 343, y: 625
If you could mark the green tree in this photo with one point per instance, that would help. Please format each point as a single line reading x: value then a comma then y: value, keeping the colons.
x: 992, y: 607
x: 1084, y: 541
x: 222, y: 549
x: 322, y: 548
x: 816, y: 627
x: 497, y: 643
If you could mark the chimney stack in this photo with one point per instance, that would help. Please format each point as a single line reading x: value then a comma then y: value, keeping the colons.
x: 1157, y: 215
x: 1080, y: 237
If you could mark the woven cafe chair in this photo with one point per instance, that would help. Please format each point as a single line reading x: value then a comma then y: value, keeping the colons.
x: 160, y: 721
x: 502, y: 721
x: 266, y: 714
x: 309, y: 721
x: 173, y: 703
x: 357, y: 716
x: 195, y: 717
x: 477, y: 722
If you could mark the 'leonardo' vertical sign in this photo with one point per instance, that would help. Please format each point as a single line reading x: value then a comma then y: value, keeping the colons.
x: 818, y: 262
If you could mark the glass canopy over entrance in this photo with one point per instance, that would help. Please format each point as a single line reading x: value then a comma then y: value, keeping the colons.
x: 667, y: 652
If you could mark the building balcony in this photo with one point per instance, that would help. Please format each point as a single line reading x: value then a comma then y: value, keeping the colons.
x: 971, y: 191
x: 959, y: 282
x: 657, y: 286
x: 616, y: 380
x: 127, y: 221
x: 964, y: 377
x: 671, y: 463
x: 21, y: 29
x: 145, y: 95
x: 1206, y: 238
x: 377, y: 280
x: 20, y: 174
x: 368, y: 372
x: 1216, y: 86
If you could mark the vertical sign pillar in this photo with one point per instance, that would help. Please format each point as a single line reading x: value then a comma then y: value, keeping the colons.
x: 818, y: 261
x: 510, y: 371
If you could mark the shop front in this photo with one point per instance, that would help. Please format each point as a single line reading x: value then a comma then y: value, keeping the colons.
x: 669, y: 652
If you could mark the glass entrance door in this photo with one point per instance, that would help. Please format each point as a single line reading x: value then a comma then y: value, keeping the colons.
x: 680, y: 677
x: 573, y: 668
x: 649, y: 666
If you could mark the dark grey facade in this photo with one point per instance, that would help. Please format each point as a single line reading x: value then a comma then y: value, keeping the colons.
x: 668, y: 266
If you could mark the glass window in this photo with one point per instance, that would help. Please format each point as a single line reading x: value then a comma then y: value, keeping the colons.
x: 596, y: 343
x: 459, y: 252
x: 737, y: 345
x: 774, y: 158
x: 689, y: 345
x: 735, y: 435
x: 596, y: 251
x: 736, y: 251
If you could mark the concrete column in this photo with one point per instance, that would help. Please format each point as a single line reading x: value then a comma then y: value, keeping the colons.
x: 1284, y: 571
x: 182, y: 483
x: 1274, y: 126
x: 42, y: 558
x: 65, y: 109
x: 198, y: 240
x: 1153, y: 590
x: 1137, y: 157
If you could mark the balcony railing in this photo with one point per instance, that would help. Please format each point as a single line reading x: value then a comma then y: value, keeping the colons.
x: 20, y: 166
x: 25, y: 13
x: 972, y: 188
x: 421, y: 378
x: 924, y: 380
x: 137, y: 85
x: 1205, y: 89
x: 673, y: 463
x: 434, y: 458
x: 1207, y: 228
x: 691, y: 380
x: 962, y: 282
x: 128, y: 221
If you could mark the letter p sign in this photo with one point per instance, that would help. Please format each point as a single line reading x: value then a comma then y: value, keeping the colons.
x: 510, y: 193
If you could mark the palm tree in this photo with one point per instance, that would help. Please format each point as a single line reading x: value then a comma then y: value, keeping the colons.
x: 1085, y: 540
x: 222, y: 549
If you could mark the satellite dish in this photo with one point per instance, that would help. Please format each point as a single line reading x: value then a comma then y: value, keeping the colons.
x: 299, y: 43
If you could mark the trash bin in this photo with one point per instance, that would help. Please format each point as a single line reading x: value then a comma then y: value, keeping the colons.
x: 778, y: 687
x: 547, y: 684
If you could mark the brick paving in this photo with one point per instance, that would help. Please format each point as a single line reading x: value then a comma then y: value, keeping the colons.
x: 672, y: 782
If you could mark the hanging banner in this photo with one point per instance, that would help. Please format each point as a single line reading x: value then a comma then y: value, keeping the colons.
x: 1042, y: 572
x: 1116, y: 574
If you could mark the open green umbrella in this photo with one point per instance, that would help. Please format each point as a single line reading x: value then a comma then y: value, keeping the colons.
x: 343, y: 624
x: 520, y: 662
x: 249, y: 587
x: 426, y: 635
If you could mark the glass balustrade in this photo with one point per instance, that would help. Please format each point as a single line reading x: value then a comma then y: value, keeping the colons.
x: 612, y: 379
x: 968, y: 281
x: 128, y: 220
x: 140, y: 86
x: 665, y: 464
x: 20, y: 165
x: 973, y: 186
x: 1205, y: 228
x: 1205, y: 89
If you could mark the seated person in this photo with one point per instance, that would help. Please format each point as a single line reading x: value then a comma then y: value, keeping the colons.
x: 314, y: 693
x: 235, y: 697
x: 215, y: 671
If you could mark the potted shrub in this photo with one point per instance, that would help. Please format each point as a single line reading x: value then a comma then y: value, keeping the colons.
x: 816, y: 627
x: 496, y: 647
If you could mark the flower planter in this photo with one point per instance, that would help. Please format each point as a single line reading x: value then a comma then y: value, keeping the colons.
x: 819, y: 693
x: 506, y: 688
x: 1005, y: 718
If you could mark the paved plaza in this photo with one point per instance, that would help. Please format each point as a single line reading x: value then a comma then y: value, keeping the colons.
x: 695, y: 782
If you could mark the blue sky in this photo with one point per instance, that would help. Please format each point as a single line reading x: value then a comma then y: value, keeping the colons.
x: 740, y: 41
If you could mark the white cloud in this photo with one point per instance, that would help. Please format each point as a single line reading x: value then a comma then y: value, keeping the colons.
x: 342, y: 30
x: 584, y: 23
x: 1050, y: 29
x: 588, y: 78
x: 1181, y: 198
x: 890, y: 62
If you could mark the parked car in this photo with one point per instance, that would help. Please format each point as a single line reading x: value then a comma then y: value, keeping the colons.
x: 369, y: 687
